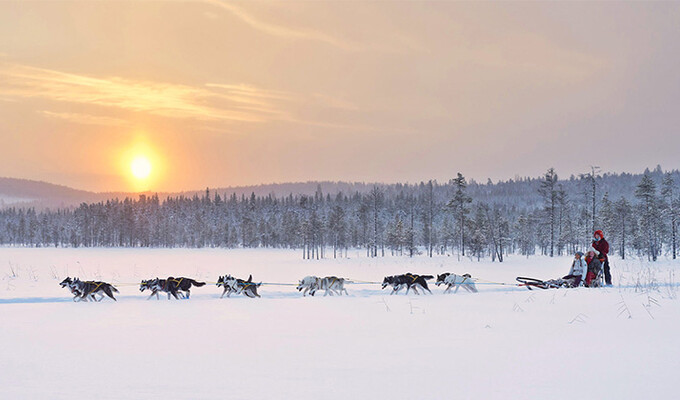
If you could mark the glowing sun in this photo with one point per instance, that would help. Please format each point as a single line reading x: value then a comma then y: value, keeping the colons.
x: 140, y: 167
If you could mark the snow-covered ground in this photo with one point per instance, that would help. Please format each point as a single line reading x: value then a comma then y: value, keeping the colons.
x: 504, y: 342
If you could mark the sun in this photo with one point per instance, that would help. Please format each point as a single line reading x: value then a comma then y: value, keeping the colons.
x: 140, y: 167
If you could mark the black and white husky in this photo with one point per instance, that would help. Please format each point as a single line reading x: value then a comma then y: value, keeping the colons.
x: 88, y: 289
x: 238, y: 286
x: 452, y: 280
x: 330, y: 284
x: 156, y: 286
x: 172, y: 286
x: 408, y: 281
x: 77, y: 294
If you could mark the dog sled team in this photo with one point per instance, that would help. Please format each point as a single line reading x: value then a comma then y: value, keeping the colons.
x: 180, y: 287
x: 589, y: 270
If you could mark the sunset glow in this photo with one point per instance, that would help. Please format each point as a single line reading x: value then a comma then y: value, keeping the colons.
x: 140, y: 167
x: 222, y: 93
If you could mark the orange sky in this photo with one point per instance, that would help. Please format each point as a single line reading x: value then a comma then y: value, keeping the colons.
x: 231, y: 93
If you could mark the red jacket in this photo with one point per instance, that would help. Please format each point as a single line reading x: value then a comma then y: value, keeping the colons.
x: 603, y: 247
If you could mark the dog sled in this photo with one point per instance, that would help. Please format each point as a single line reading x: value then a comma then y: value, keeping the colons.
x: 533, y: 283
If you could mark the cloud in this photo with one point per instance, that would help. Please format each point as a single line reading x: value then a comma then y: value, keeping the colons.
x: 283, y: 31
x: 241, y: 104
x: 87, y: 119
x: 211, y: 102
x: 391, y: 42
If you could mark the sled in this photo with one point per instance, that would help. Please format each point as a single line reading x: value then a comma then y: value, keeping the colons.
x: 531, y: 283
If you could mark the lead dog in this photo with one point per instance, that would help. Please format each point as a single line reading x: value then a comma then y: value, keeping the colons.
x: 408, y: 281
x: 77, y: 294
x: 330, y: 284
x: 452, y: 280
x: 238, y: 286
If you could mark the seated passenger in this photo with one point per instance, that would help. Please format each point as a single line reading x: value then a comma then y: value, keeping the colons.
x: 578, y: 271
x: 594, y: 267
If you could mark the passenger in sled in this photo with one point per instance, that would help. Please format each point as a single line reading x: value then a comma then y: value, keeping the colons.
x: 577, y: 273
x: 594, y: 276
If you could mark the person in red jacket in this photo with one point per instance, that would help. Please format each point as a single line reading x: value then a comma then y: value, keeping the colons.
x: 601, y: 247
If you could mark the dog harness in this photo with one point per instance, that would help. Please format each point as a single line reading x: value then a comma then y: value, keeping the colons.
x: 93, y: 290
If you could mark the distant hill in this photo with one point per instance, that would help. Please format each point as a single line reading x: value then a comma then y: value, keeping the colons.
x: 40, y: 195
x: 28, y: 193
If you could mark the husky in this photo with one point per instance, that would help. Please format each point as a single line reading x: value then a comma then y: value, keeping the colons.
x: 90, y: 288
x: 330, y: 284
x: 183, y: 284
x: 307, y: 284
x: 452, y: 280
x: 408, y: 281
x: 172, y: 286
x: 156, y: 286
x: 77, y: 294
x: 238, y: 286
x: 222, y: 281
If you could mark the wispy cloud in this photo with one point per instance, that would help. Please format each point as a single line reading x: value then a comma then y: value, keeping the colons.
x: 86, y: 119
x: 281, y: 30
x: 211, y: 102
x: 242, y: 104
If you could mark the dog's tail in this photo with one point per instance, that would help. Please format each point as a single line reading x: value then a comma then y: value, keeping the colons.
x: 426, y: 277
x: 196, y: 283
x: 114, y: 288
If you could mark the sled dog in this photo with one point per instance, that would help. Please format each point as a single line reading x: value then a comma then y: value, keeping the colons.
x: 238, y: 286
x: 77, y: 294
x: 182, y: 284
x: 456, y: 281
x: 330, y: 285
x: 91, y: 288
x: 156, y: 286
x: 172, y: 286
x: 307, y: 284
x: 408, y: 281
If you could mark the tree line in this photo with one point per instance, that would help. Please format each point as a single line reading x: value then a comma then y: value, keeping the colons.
x: 546, y: 215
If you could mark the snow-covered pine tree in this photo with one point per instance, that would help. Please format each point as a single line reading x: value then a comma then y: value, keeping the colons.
x: 458, y: 205
x: 607, y: 216
x: 622, y: 224
x: 548, y: 191
x: 376, y: 201
x: 590, y: 179
x: 649, y: 215
x: 671, y: 207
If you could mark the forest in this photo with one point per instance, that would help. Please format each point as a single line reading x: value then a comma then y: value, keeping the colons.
x: 526, y: 216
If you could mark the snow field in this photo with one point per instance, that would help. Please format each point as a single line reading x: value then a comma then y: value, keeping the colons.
x: 504, y: 342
